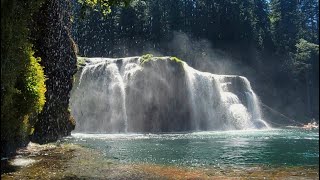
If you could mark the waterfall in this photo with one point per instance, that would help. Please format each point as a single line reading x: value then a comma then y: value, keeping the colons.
x: 122, y: 95
x: 99, y: 101
x: 213, y: 100
x: 237, y: 114
x: 253, y: 105
x: 202, y: 96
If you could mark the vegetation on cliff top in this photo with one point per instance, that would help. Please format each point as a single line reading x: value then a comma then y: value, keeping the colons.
x: 149, y: 57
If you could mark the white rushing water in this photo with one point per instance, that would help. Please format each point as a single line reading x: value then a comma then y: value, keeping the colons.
x: 100, y: 102
x: 102, y: 95
x: 213, y: 100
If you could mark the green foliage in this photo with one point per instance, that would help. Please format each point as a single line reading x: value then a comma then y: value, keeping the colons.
x: 101, y: 5
x: 304, y: 58
x: 309, y: 20
x: 145, y: 58
x: 175, y: 59
x: 284, y: 24
x: 34, y: 86
x: 81, y: 61
x: 262, y: 25
x: 306, y: 50
x: 131, y: 30
x: 149, y: 57
x: 292, y: 20
x: 22, y: 77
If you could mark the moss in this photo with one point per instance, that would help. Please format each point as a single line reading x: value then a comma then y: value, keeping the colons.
x: 34, y: 88
x: 81, y: 61
x: 175, y: 63
x: 22, y: 77
x: 175, y: 59
x: 149, y: 57
x: 145, y: 58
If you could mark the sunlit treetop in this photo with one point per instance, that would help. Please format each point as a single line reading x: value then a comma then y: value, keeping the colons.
x: 102, y: 5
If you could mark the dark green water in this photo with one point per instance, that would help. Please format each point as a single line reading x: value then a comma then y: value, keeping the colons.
x: 276, y: 147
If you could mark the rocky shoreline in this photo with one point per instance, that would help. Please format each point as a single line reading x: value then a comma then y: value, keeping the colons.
x: 69, y: 161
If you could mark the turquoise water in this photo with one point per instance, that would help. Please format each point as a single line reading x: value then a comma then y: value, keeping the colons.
x: 276, y: 147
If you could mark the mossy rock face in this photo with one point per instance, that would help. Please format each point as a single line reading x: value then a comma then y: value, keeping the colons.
x: 164, y: 63
x: 145, y: 59
x: 81, y: 61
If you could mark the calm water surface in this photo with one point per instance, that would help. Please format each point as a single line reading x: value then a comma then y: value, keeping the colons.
x: 275, y: 147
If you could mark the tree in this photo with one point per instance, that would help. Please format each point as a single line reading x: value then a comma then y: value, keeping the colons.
x: 309, y: 20
x: 284, y: 24
x: 103, y: 6
x: 261, y: 25
x: 306, y: 70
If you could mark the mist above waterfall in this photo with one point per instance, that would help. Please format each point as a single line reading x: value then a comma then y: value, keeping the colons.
x: 200, y: 54
x: 160, y: 95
